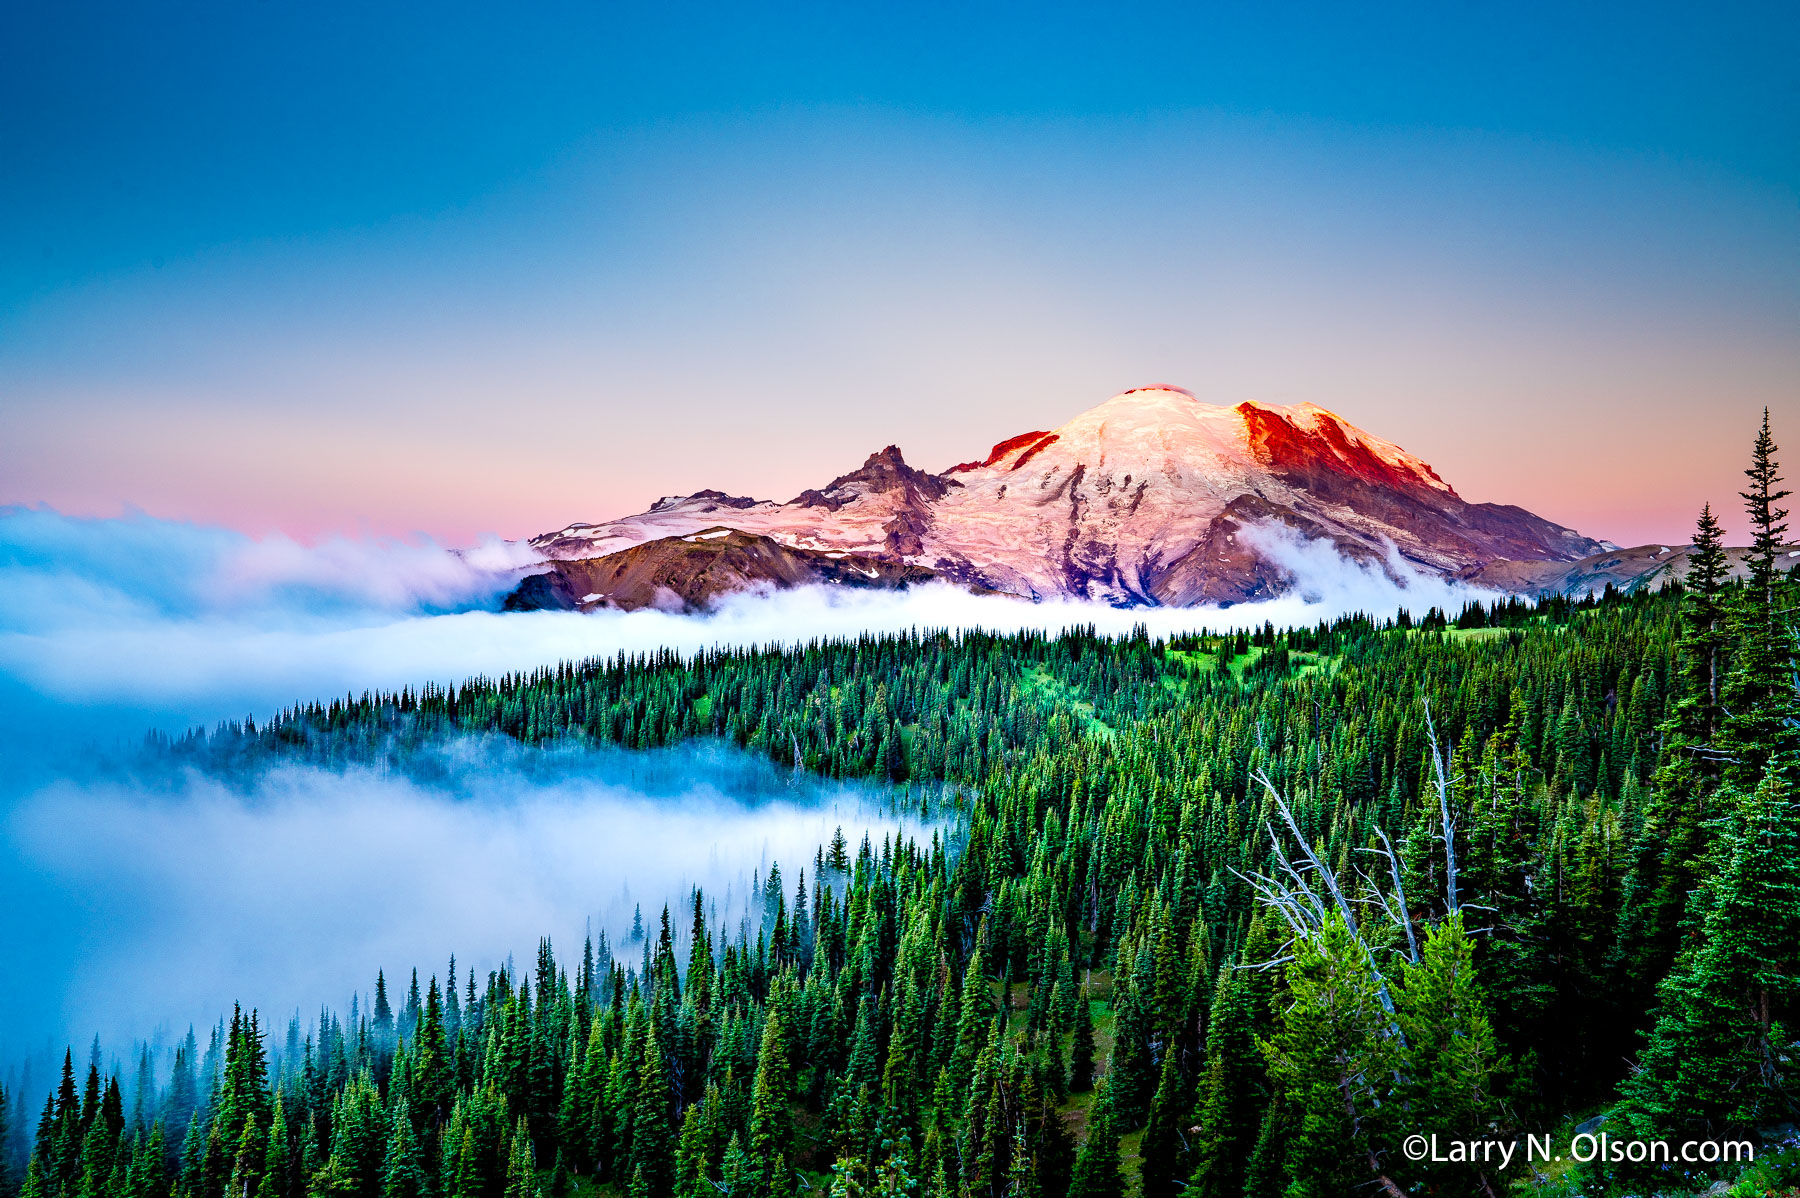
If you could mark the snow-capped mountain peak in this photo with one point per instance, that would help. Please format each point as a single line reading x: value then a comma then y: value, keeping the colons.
x: 1136, y: 501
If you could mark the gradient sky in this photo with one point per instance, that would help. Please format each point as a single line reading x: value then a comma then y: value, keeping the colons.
x: 452, y: 268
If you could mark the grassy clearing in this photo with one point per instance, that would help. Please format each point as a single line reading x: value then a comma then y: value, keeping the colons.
x: 1043, y: 686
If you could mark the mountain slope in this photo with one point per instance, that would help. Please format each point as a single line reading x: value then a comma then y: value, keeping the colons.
x: 1140, y: 500
x: 695, y: 571
x: 1634, y: 569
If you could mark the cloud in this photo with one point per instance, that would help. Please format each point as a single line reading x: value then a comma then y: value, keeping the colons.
x: 143, y: 902
x: 132, y: 901
x: 56, y: 568
x: 175, y: 624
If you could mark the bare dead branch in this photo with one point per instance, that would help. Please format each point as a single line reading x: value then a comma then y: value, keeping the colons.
x: 1439, y: 767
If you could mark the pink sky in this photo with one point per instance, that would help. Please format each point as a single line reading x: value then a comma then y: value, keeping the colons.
x: 1631, y: 477
x: 1591, y: 336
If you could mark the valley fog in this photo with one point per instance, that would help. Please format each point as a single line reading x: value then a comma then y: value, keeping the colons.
x: 134, y: 906
x: 291, y: 888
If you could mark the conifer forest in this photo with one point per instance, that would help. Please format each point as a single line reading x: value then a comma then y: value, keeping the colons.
x: 1227, y: 915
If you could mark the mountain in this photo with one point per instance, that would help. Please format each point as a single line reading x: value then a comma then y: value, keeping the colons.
x: 682, y: 573
x: 1139, y: 501
x: 1625, y: 569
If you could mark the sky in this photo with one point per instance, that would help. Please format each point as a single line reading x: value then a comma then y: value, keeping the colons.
x: 454, y: 270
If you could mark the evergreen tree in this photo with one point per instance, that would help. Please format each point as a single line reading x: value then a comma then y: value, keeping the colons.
x: 1097, y: 1167
x: 1329, y: 1053
x: 521, y: 1168
x: 1450, y: 1059
x: 1081, y: 1055
x: 403, y: 1171
x: 1716, y: 1060
x: 1233, y: 1092
x: 1759, y: 693
x: 1162, y: 1147
x: 652, y: 1142
x: 771, y: 1120
x: 277, y: 1170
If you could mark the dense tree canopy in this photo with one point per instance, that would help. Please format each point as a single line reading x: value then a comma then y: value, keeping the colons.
x: 1229, y: 913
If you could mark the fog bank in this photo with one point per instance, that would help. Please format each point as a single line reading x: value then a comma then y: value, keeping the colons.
x: 130, y: 902
x: 132, y: 905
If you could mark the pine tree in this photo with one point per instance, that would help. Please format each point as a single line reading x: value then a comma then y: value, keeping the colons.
x: 1162, y: 1145
x: 1097, y: 1166
x: 771, y: 1120
x: 1759, y: 696
x: 1450, y: 1060
x: 1716, y: 1060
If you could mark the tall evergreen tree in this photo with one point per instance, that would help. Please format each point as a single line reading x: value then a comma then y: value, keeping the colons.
x: 1759, y: 693
x: 1717, y: 1059
x: 771, y: 1120
x: 1098, y: 1172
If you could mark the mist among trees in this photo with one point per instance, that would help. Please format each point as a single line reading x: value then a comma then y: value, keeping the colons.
x: 1220, y: 915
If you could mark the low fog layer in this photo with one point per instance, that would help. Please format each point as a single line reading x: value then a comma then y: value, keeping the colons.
x: 135, y: 621
x: 131, y: 902
x: 129, y: 906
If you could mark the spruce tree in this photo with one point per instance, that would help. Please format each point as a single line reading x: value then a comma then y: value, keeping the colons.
x: 1162, y: 1147
x: 771, y: 1120
x: 1081, y: 1054
x: 1716, y: 1060
x: 1759, y: 695
x: 1098, y: 1173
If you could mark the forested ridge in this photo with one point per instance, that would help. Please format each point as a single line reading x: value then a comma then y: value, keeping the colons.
x: 1224, y: 915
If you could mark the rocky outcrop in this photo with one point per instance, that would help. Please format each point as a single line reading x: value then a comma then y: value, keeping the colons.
x: 692, y: 573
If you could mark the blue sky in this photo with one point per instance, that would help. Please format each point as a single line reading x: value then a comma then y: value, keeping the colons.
x: 451, y: 268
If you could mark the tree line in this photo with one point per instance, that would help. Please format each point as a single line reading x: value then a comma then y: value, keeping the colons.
x: 1226, y: 915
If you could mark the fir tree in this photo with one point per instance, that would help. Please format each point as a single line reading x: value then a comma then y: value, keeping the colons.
x: 402, y: 1170
x: 1163, y: 1145
x: 1450, y: 1060
x: 1716, y: 1060
x: 771, y: 1120
x: 1081, y: 1055
x: 1759, y: 693
x: 1097, y: 1167
x: 1331, y: 1049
